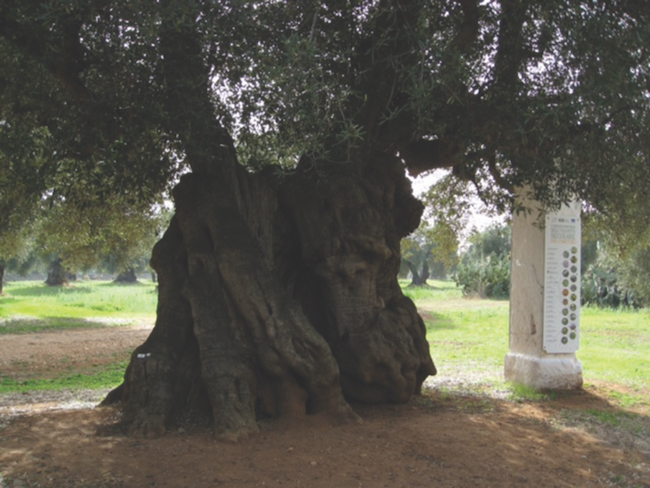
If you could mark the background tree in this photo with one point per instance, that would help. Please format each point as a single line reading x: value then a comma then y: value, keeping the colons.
x: 19, y: 197
x: 618, y: 271
x: 277, y: 290
x: 484, y: 268
x: 112, y: 233
x: 431, y: 251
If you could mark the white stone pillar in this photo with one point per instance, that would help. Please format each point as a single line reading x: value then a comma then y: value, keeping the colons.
x: 529, y: 360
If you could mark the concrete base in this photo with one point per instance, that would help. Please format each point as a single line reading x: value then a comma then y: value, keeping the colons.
x: 544, y: 373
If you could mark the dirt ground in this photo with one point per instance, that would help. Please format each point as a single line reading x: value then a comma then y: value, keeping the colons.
x: 436, y: 440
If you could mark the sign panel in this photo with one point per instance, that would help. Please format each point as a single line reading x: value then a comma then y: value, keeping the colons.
x: 562, y: 281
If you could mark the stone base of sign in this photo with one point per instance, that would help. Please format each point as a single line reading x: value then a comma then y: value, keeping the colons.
x: 558, y: 372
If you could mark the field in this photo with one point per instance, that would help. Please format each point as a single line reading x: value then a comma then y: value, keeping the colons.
x: 472, y: 334
x: 62, y: 349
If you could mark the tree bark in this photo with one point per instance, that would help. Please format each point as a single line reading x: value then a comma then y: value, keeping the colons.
x: 418, y: 278
x: 2, y: 276
x: 56, y: 274
x: 278, y: 297
x: 281, y: 309
x: 127, y: 276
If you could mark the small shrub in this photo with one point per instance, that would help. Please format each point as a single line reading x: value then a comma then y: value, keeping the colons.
x: 487, y: 278
x: 600, y: 287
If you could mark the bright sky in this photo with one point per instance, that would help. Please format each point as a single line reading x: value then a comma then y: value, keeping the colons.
x: 478, y: 219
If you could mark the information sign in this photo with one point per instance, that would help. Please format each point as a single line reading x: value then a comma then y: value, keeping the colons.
x: 562, y: 281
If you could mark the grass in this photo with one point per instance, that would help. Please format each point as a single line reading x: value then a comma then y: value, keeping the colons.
x: 469, y: 339
x: 615, y: 344
x: 107, y: 376
x: 31, y: 306
x: 468, y: 336
x: 463, y: 333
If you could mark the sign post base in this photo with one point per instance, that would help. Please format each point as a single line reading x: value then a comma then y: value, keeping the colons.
x: 553, y: 372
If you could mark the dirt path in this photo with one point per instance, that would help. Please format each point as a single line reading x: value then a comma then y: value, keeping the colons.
x: 50, y: 353
x: 437, y: 440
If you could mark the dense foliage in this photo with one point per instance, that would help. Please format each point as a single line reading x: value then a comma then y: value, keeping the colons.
x: 484, y: 268
x: 615, y: 279
x: 554, y: 94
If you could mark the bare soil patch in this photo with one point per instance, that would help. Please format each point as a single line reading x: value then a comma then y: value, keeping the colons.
x: 436, y: 440
x: 50, y: 353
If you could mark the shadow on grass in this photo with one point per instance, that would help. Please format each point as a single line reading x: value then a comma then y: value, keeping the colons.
x: 113, y: 284
x: 601, y: 416
x: 27, y: 325
x: 6, y: 300
x: 44, y: 290
x: 436, y: 321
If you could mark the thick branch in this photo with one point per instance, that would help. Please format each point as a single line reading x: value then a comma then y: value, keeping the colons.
x: 421, y: 156
x: 510, y: 50
x: 469, y: 29
x: 187, y: 83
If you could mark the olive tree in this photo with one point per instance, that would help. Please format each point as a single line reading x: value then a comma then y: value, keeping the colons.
x: 278, y: 294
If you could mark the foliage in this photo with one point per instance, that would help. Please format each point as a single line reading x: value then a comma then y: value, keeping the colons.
x: 618, y: 273
x: 548, y: 93
x: 115, y: 232
x: 488, y: 278
x: 614, y: 282
x: 430, y: 250
x: 484, y: 269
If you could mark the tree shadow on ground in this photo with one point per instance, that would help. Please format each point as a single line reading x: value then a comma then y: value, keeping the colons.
x: 44, y: 290
x: 431, y: 441
x: 22, y: 325
x: 587, y: 410
x: 436, y: 321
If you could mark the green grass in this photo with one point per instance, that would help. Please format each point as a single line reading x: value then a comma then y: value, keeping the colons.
x: 462, y: 330
x: 31, y: 306
x: 468, y: 336
x: 471, y: 335
x: 108, y: 376
x: 615, y: 346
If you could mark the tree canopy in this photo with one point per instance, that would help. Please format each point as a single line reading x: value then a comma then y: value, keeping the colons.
x: 553, y: 93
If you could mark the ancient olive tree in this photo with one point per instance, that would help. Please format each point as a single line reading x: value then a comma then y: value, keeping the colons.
x: 296, y: 120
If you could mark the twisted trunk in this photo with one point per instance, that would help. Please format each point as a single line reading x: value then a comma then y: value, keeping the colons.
x: 417, y: 278
x: 277, y: 297
x: 281, y: 306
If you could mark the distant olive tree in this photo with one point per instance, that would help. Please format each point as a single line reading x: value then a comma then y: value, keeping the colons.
x: 430, y: 252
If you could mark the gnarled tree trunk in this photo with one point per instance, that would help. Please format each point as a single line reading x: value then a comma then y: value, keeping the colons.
x: 417, y: 278
x: 277, y: 297
x: 281, y: 309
